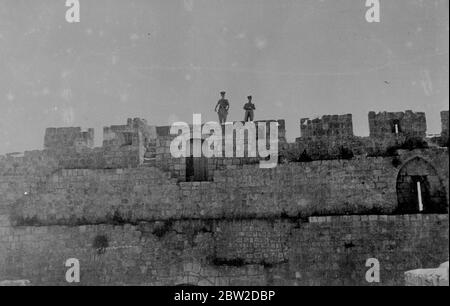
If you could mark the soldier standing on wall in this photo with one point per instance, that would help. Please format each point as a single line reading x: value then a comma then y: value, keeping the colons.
x: 249, y: 110
x: 223, y: 106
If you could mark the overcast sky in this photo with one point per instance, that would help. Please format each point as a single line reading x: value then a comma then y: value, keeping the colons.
x: 164, y: 60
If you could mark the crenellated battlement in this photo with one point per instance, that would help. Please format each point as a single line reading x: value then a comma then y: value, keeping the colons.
x: 68, y: 137
x: 137, y: 143
x: 209, y: 214
x: 139, y: 134
x: 407, y: 123
x: 445, y: 125
x: 382, y: 124
x: 327, y: 126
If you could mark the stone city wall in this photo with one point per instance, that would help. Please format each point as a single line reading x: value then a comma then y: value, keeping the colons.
x: 358, y: 186
x: 408, y: 123
x: 327, y: 126
x: 125, y: 211
x: 328, y: 250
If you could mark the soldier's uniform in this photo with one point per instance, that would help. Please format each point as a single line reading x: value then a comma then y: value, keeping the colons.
x: 223, y: 106
x: 249, y: 110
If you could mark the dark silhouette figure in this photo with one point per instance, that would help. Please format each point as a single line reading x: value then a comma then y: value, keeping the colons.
x: 249, y: 108
x: 222, y: 108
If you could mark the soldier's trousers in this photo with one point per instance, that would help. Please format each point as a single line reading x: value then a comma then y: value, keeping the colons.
x: 249, y: 115
x: 223, y: 116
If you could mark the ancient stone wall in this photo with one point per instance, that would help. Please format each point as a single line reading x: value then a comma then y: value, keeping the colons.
x: 358, y: 186
x: 159, y: 155
x: 125, y: 212
x: 322, y: 148
x: 123, y: 146
x: 327, y: 137
x: 68, y: 138
x: 327, y: 126
x: 404, y: 123
x: 338, y: 247
x: 445, y: 126
x: 320, y: 251
x: 20, y: 174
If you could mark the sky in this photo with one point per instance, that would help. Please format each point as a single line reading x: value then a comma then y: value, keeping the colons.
x: 164, y: 60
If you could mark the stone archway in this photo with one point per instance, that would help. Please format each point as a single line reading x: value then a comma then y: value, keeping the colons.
x: 419, y: 189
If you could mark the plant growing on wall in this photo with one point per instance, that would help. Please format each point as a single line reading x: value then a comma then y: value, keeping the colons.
x: 304, y: 157
x: 345, y: 153
x: 412, y: 143
x: 396, y: 162
x: 100, y: 244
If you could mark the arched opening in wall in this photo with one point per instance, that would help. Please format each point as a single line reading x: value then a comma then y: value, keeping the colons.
x: 419, y: 189
x: 196, y: 167
x: 396, y: 127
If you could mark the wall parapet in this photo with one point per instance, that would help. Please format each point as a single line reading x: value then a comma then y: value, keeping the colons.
x: 382, y: 218
x: 320, y: 188
x: 327, y: 126
x: 68, y: 137
x: 408, y: 123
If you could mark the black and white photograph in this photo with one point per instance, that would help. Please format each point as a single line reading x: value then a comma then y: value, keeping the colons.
x: 224, y: 150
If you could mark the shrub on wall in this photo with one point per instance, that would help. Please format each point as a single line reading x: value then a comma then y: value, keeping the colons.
x: 304, y: 157
x: 295, y: 156
x: 412, y: 143
x: 396, y: 162
x: 100, y: 244
x: 389, y: 152
x: 345, y: 153
x: 162, y: 228
x: 442, y: 142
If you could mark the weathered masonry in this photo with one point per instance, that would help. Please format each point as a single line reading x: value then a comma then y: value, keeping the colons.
x: 134, y: 215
